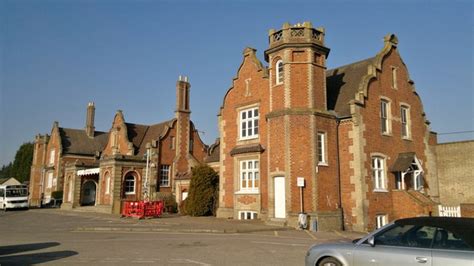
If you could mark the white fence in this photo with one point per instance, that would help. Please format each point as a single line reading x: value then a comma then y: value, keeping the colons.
x: 449, y: 211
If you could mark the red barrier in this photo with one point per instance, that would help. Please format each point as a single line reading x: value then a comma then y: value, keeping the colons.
x: 142, y: 209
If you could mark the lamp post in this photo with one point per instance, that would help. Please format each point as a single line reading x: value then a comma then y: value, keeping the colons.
x: 145, y: 184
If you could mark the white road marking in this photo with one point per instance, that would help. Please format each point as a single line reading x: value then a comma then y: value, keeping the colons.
x: 281, y: 244
x: 180, y: 261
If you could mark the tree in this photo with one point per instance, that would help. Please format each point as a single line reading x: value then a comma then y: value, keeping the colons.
x: 6, y: 171
x: 203, y: 191
x: 22, y: 164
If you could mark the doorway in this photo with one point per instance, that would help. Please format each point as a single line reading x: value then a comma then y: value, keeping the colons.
x: 280, y: 202
x: 88, y: 193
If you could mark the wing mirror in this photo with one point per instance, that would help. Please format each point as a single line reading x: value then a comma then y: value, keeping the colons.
x: 371, y: 241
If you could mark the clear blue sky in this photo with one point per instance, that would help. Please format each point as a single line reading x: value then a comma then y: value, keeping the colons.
x: 55, y: 56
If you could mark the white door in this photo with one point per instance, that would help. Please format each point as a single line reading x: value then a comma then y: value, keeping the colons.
x: 280, y: 208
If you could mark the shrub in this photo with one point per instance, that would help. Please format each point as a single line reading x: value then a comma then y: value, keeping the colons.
x: 169, y: 202
x: 203, y: 191
x: 57, y: 195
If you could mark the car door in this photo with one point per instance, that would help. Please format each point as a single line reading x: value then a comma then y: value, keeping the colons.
x: 450, y: 249
x: 395, y: 246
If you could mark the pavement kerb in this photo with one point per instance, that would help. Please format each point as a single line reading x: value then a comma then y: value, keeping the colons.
x: 134, y: 229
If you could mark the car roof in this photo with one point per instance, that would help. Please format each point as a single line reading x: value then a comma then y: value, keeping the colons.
x: 463, y: 227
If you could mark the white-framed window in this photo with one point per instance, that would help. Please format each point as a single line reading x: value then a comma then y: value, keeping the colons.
x: 385, y: 116
x: 380, y: 220
x: 249, y: 123
x: 107, y: 184
x: 394, y: 78
x: 279, y: 72
x: 164, y: 175
x: 405, y: 119
x: 50, y: 180
x: 418, y: 180
x: 322, y: 159
x: 249, y: 175
x: 247, y: 215
x: 129, y: 185
x: 52, y: 154
x: 378, y: 172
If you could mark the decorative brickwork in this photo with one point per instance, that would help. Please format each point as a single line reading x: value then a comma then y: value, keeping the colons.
x: 343, y: 104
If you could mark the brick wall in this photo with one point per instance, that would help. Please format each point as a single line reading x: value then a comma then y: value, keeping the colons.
x: 456, y: 172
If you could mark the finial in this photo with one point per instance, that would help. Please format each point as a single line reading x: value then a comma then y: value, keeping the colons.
x: 391, y: 38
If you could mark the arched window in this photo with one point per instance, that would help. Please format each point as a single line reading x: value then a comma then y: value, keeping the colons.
x: 279, y: 72
x: 129, y: 184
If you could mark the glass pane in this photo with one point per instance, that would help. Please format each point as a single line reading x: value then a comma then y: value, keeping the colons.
x: 256, y: 164
x: 244, y: 115
x: 255, y: 112
x: 250, y: 164
x: 249, y: 113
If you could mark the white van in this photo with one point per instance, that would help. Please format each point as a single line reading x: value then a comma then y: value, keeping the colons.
x: 13, y: 196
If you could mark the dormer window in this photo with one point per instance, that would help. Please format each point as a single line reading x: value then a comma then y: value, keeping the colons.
x: 279, y: 72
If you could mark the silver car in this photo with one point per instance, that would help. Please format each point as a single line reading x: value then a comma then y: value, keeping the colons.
x: 436, y: 241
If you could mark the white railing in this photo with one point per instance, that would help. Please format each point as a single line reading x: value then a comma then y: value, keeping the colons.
x: 449, y: 211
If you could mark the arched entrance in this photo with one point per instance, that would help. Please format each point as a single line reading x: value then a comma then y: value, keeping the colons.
x: 88, y: 193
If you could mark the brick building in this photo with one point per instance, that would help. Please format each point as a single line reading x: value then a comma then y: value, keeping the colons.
x: 357, y: 135
x: 130, y: 162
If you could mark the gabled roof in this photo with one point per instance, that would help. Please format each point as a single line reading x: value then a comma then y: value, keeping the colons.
x: 140, y: 135
x: 343, y: 84
x: 76, y: 141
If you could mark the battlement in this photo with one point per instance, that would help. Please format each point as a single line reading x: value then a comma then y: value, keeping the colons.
x: 297, y: 33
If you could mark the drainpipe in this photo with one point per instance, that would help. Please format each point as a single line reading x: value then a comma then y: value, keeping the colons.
x: 339, y: 173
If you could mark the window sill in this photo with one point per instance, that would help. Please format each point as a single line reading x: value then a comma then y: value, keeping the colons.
x: 323, y: 164
x: 387, y: 134
x: 248, y: 138
x: 251, y: 192
x: 380, y: 190
x: 407, y: 138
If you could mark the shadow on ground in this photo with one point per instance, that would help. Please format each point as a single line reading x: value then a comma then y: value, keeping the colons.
x: 34, y: 258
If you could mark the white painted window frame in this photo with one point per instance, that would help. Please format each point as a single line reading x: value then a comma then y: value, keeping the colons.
x: 405, y: 121
x: 379, y: 174
x: 322, y: 148
x: 385, y: 117
x: 165, y: 169
x: 134, y: 185
x: 380, y: 220
x: 279, y: 72
x: 249, y: 174
x: 248, y: 215
x: 245, y: 121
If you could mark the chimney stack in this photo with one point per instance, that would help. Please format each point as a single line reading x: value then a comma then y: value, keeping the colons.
x: 90, y: 120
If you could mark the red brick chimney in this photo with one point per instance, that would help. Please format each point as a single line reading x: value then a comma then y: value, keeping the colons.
x: 90, y: 120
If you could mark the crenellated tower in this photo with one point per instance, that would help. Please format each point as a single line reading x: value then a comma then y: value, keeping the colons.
x: 297, y: 121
